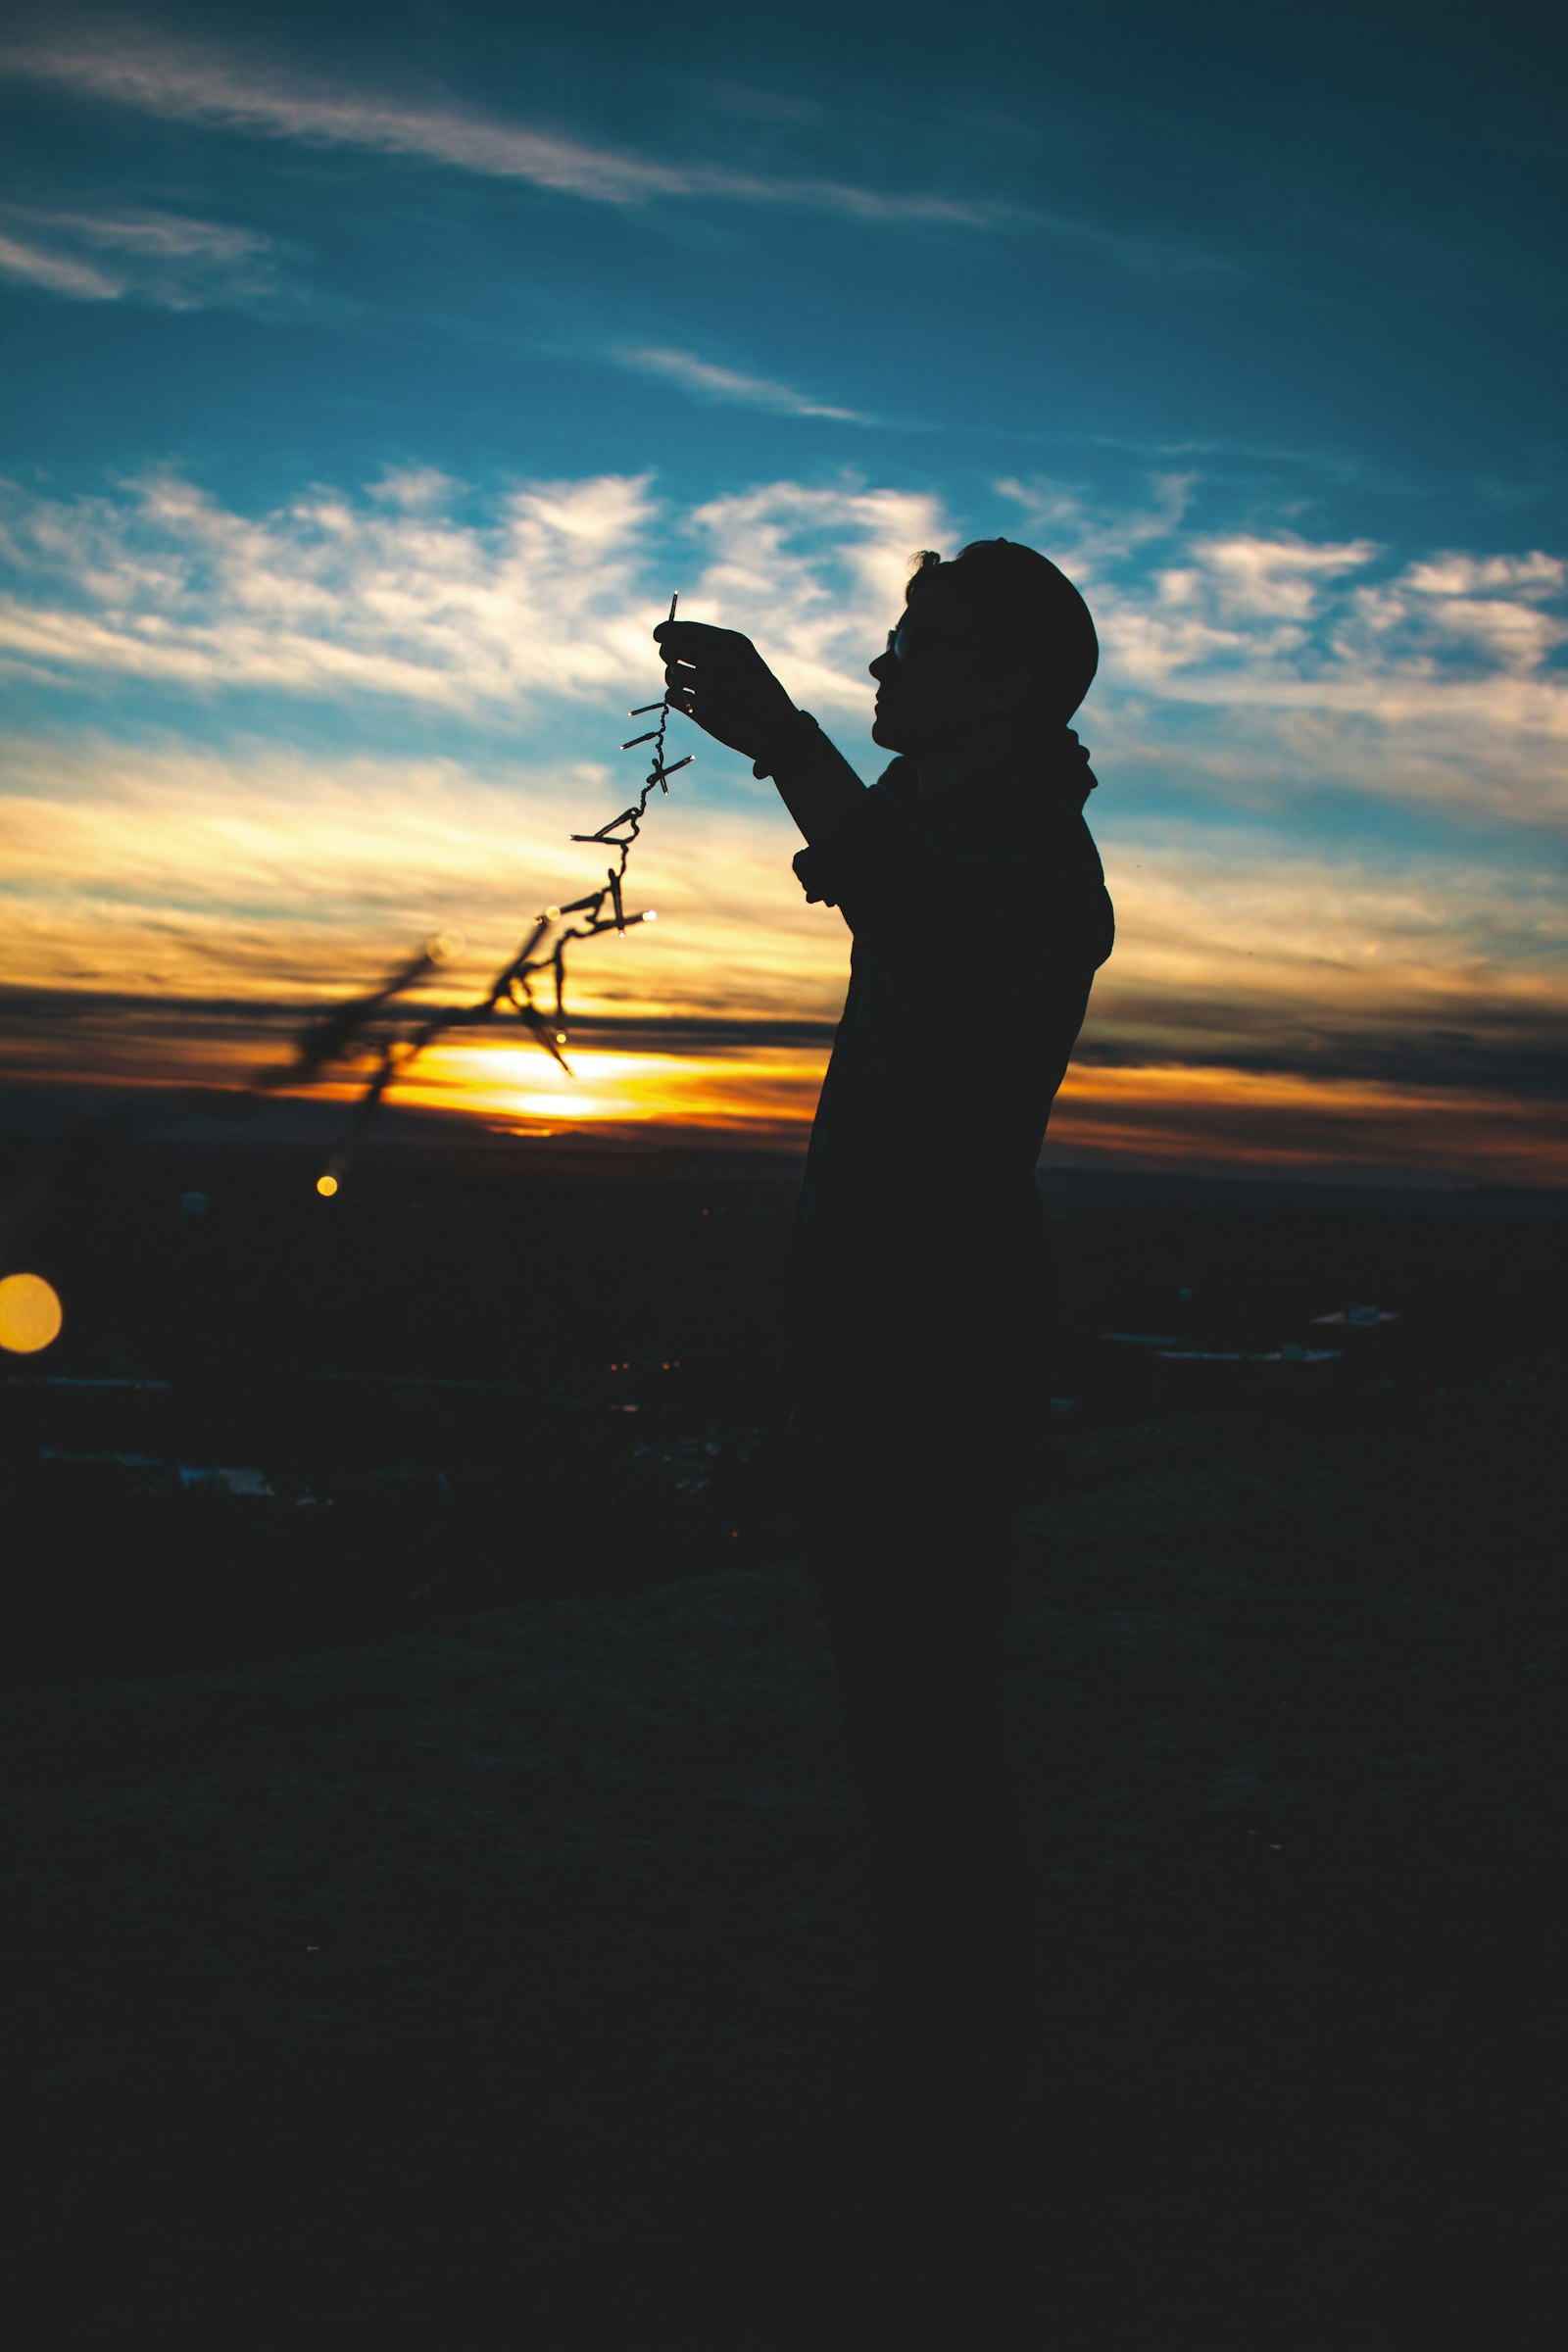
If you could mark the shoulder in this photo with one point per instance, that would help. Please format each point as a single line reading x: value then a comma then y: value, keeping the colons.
x: 1067, y: 887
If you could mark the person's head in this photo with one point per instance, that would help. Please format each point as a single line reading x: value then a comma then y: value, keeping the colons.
x: 995, y: 640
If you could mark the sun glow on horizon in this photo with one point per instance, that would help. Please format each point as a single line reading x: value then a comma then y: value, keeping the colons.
x: 769, y: 1085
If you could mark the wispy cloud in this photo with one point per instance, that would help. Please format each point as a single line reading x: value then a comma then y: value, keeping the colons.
x: 168, y: 911
x: 272, y: 875
x: 184, y: 84
x: 1242, y: 665
x: 1237, y: 949
x: 728, y: 384
x: 1188, y: 1118
x: 408, y: 590
x: 386, y: 594
x: 37, y: 265
x: 1442, y: 679
x: 176, y: 262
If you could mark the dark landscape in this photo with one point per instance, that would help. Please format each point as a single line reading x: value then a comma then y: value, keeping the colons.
x: 434, y: 1865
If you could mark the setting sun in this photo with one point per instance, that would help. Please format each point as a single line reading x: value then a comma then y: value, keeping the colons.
x: 767, y: 1086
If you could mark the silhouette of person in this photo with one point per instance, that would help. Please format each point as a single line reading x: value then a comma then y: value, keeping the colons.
x: 917, y: 1292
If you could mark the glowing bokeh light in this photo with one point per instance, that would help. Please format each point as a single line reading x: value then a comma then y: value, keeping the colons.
x: 326, y: 1186
x: 31, y: 1313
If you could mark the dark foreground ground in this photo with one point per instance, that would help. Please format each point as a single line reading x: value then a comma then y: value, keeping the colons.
x: 495, y: 1974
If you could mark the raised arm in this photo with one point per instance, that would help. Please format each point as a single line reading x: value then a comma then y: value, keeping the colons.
x: 906, y: 901
x: 718, y: 678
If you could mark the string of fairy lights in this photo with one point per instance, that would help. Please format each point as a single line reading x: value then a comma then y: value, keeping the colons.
x: 357, y: 1028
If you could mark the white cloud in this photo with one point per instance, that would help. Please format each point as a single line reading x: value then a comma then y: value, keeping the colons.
x: 1256, y: 664
x: 1276, y: 578
x: 815, y: 575
x: 727, y: 384
x: 1238, y: 599
x: 1445, y: 751
x: 1443, y: 670
x: 177, y: 262
x: 1514, y: 635
x: 394, y: 593
x: 333, y: 595
x: 184, y: 84
x: 1535, y: 574
x: 1086, y: 541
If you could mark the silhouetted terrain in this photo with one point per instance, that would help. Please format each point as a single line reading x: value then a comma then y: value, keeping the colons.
x: 503, y: 1369
x: 389, y: 1972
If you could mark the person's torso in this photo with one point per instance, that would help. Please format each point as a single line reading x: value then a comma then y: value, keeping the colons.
x: 919, y: 1202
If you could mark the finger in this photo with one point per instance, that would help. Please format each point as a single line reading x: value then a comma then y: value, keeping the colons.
x: 688, y: 637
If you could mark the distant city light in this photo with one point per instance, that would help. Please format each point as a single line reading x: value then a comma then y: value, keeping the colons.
x: 326, y: 1186
x: 31, y: 1313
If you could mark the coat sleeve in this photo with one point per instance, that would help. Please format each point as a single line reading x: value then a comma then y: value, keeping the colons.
x: 991, y: 916
x: 973, y: 918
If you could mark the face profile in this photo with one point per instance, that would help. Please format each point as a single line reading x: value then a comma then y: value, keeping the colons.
x: 927, y: 679
x: 923, y: 678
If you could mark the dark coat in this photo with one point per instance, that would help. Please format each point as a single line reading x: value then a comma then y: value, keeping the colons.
x: 917, y: 1263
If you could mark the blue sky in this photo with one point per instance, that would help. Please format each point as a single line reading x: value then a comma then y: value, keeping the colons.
x: 376, y: 373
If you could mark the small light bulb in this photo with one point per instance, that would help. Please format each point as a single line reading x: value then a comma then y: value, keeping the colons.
x: 561, y: 1037
x: 326, y: 1186
x: 652, y: 917
x: 551, y: 914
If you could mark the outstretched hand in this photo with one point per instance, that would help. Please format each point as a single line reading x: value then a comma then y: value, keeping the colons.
x: 718, y: 678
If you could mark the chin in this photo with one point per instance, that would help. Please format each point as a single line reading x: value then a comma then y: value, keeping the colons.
x: 886, y: 733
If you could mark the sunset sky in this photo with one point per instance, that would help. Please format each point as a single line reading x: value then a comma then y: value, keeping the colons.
x: 374, y: 375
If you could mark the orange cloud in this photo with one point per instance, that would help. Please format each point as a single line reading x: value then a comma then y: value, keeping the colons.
x: 1279, y: 1122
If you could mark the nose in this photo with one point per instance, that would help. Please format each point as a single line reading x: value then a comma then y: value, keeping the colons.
x: 882, y: 667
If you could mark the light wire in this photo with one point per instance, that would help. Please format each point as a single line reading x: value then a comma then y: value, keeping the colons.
x: 352, y: 1029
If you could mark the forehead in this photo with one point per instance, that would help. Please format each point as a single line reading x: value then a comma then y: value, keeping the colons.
x: 934, y: 616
